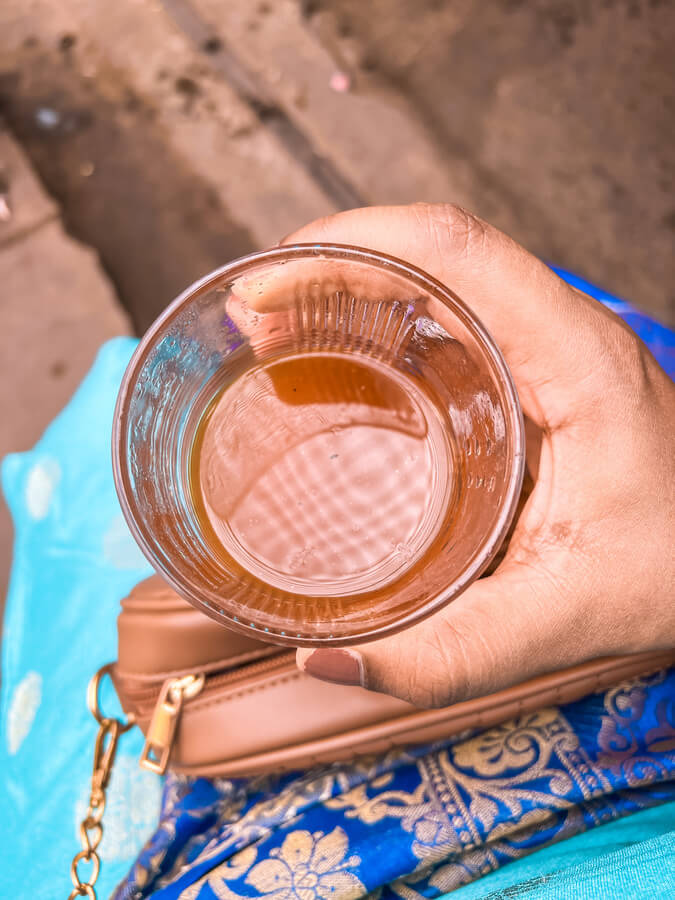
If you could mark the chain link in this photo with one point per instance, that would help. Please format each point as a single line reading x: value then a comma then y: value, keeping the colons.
x: 91, y: 827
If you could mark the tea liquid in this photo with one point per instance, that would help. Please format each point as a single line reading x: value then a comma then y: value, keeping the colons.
x: 323, y: 473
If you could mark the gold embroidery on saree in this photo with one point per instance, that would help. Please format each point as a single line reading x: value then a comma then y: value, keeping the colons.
x: 619, y: 736
x: 306, y: 867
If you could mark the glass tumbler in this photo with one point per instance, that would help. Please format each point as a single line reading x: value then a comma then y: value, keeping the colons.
x: 369, y: 450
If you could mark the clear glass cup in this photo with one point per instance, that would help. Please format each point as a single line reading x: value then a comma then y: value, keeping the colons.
x: 356, y: 306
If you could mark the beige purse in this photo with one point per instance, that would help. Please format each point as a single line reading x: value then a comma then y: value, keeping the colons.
x: 212, y: 702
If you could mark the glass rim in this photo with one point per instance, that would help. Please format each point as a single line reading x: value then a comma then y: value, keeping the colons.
x: 490, y: 544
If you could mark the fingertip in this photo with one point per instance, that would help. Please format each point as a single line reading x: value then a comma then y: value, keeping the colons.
x: 335, y: 664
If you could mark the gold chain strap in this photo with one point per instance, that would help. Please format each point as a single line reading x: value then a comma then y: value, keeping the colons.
x: 91, y: 827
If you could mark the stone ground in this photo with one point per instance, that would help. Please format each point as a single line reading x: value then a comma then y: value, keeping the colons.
x: 148, y: 141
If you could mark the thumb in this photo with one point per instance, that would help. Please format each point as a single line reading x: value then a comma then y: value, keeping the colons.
x: 500, y: 632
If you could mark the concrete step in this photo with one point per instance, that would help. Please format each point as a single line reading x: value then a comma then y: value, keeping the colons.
x: 57, y: 307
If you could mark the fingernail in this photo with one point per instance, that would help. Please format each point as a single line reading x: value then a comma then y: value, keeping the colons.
x: 338, y: 666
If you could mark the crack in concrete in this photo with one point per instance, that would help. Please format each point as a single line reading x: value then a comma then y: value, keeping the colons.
x: 249, y: 88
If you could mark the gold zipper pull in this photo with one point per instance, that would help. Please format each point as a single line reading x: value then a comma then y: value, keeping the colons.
x: 162, y: 731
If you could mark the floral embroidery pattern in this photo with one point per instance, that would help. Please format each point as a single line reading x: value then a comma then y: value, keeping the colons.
x: 412, y: 824
x: 626, y: 749
x: 307, y: 867
x: 515, y: 767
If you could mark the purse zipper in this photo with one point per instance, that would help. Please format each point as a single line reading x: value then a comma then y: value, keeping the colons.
x: 161, y: 733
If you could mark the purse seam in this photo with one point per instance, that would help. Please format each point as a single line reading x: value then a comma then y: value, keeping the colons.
x: 242, y: 692
x: 230, y: 662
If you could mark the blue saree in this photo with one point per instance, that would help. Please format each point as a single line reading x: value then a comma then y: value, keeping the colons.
x: 418, y: 823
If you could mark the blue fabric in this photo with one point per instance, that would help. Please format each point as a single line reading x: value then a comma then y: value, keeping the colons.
x: 416, y: 823
x: 74, y: 559
x: 641, y: 872
x: 527, y: 876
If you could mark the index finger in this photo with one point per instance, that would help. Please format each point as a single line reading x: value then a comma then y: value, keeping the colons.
x: 550, y: 335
